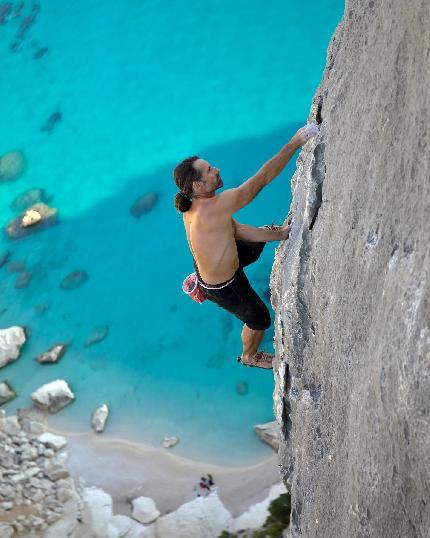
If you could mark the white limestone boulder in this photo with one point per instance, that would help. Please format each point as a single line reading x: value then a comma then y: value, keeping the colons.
x: 50, y: 440
x: 169, y: 442
x: 10, y: 425
x: 6, y: 392
x: 269, y: 432
x: 99, y: 417
x: 144, y: 510
x: 11, y: 341
x: 204, y: 516
x: 6, y: 531
x: 97, y: 510
x: 53, y: 354
x: 53, y: 396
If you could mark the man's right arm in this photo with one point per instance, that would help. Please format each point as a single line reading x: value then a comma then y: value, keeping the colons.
x: 235, y: 199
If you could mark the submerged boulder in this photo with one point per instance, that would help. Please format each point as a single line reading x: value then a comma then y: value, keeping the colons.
x: 53, y: 354
x: 6, y: 393
x: 53, y: 396
x: 16, y: 266
x: 74, y: 279
x: 29, y: 198
x: 35, y: 218
x: 99, y: 417
x: 97, y: 335
x: 11, y: 341
x: 12, y: 165
x: 5, y: 257
x: 144, y: 204
x: 23, y: 280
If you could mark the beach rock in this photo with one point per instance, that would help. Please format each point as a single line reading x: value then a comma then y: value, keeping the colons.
x: 51, y: 122
x: 16, y: 266
x: 99, y: 417
x: 6, y: 392
x: 53, y: 396
x: 269, y: 433
x: 242, y: 387
x: 5, y: 257
x: 36, y: 218
x: 11, y: 342
x: 144, y: 510
x: 29, y: 198
x: 50, y: 440
x: 10, y: 425
x: 31, y: 427
x: 97, y: 335
x: 74, y: 280
x: 204, y: 516
x: 97, y: 510
x: 169, y: 442
x: 144, y: 204
x: 6, y: 531
x: 12, y: 165
x: 23, y: 280
x: 53, y: 354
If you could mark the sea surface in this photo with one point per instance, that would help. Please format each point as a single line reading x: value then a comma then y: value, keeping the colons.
x: 137, y: 86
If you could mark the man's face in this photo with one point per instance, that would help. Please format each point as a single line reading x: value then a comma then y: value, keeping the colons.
x: 210, y: 177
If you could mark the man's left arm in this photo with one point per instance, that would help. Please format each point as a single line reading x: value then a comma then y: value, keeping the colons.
x: 264, y: 234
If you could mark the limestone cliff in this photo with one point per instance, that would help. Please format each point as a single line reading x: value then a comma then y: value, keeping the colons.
x: 351, y: 287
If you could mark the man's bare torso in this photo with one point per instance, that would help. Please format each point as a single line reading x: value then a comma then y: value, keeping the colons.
x: 210, y: 235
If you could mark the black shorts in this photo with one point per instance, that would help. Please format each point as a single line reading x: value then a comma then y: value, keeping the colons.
x: 236, y: 295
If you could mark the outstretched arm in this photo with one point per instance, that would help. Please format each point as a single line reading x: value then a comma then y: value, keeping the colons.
x: 265, y: 234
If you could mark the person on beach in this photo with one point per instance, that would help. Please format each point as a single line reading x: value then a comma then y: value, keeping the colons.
x: 221, y: 247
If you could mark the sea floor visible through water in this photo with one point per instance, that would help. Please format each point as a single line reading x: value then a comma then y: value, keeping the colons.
x: 133, y: 88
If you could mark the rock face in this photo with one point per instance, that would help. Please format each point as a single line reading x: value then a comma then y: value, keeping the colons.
x: 351, y: 287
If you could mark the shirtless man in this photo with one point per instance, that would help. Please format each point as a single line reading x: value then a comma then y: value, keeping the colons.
x: 221, y: 247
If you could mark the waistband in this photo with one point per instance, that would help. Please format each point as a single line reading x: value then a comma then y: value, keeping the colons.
x: 215, y: 286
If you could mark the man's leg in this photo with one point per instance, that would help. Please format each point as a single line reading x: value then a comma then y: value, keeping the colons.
x: 251, y: 339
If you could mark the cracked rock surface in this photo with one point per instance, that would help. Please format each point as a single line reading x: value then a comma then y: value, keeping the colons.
x: 350, y: 288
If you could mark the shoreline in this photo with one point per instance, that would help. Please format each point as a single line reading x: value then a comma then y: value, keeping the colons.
x: 127, y: 469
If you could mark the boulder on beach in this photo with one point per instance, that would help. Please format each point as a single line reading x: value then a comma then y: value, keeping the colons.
x: 53, y: 396
x: 29, y: 198
x: 269, y: 433
x: 144, y: 204
x: 98, y: 334
x: 53, y: 354
x: 35, y: 218
x: 11, y: 341
x: 99, y: 417
x: 12, y: 165
x: 169, y: 442
x: 74, y: 279
x: 51, y: 440
x: 144, y: 510
x: 6, y: 393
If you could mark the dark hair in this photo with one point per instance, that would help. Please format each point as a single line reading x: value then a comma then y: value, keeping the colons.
x: 184, y: 174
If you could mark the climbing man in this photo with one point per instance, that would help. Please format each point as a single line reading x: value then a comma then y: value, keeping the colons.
x: 221, y: 247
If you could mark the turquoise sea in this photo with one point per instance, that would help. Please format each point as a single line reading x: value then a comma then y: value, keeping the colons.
x: 140, y: 85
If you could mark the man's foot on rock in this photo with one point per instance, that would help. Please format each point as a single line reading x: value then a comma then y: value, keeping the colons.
x: 261, y: 359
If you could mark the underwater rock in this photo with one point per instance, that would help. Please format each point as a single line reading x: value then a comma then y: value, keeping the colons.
x: 242, y: 387
x: 269, y: 432
x: 97, y: 335
x: 35, y: 218
x: 26, y: 23
x: 29, y: 198
x: 168, y: 442
x: 99, y: 417
x: 53, y: 354
x: 12, y: 165
x: 5, y: 11
x: 41, y: 308
x: 16, y: 266
x: 144, y: 204
x: 6, y: 392
x: 4, y: 257
x: 40, y: 52
x: 51, y: 122
x: 74, y: 279
x: 53, y: 396
x: 11, y: 341
x: 23, y: 280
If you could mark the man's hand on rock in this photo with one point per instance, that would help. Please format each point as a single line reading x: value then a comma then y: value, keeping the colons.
x: 305, y: 133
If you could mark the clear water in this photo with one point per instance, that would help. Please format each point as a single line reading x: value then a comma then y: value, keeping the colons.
x: 141, y: 85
